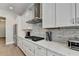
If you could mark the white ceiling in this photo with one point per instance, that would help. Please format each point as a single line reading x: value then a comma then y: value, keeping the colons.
x: 18, y: 8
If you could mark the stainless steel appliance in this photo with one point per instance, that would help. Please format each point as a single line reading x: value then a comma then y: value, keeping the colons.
x: 37, y: 14
x: 73, y: 43
x: 35, y: 38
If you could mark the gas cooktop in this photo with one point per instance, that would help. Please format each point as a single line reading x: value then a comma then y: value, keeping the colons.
x: 34, y: 38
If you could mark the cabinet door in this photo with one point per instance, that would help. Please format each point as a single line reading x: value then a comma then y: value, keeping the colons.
x: 29, y: 51
x: 28, y: 48
x: 48, y: 15
x: 50, y: 53
x: 40, y: 51
x: 65, y: 14
x: 19, y: 42
x: 77, y: 14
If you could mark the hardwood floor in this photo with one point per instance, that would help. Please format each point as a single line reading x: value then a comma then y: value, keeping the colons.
x: 9, y: 50
x: 2, y: 41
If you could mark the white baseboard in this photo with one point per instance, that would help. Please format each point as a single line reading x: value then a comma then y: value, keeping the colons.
x: 7, y: 43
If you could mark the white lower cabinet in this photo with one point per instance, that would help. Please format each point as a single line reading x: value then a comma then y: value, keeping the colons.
x: 19, y: 42
x: 31, y: 49
x: 28, y: 48
x: 52, y: 53
x: 40, y: 51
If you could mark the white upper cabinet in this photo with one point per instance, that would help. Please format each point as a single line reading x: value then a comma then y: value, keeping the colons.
x: 48, y: 15
x: 77, y: 13
x: 65, y: 14
x: 58, y: 15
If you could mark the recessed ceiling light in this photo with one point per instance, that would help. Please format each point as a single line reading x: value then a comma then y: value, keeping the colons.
x: 11, y: 8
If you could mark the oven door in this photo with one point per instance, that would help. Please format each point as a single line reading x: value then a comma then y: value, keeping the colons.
x: 74, y: 46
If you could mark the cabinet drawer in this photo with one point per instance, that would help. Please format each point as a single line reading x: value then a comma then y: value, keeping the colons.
x: 40, y: 51
x: 48, y: 15
x: 52, y: 53
x: 27, y: 43
x: 28, y: 50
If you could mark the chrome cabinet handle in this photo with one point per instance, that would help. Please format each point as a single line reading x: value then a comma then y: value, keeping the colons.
x: 73, y: 21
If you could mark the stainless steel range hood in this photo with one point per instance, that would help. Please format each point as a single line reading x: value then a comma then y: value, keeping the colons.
x: 37, y: 14
x: 34, y: 21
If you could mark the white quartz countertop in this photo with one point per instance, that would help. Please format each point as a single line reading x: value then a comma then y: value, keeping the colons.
x: 58, y: 47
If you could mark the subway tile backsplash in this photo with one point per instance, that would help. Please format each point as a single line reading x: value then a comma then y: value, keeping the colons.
x: 37, y: 30
x: 60, y: 35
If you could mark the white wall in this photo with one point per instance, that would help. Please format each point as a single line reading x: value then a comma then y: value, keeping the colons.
x: 19, y: 29
x: 10, y: 20
x: 2, y: 29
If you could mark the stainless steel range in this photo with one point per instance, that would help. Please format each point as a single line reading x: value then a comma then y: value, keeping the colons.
x: 34, y: 38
